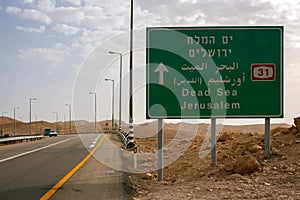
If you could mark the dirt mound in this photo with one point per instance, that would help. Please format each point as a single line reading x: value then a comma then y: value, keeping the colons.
x: 297, y: 123
x: 245, y: 164
x: 243, y: 171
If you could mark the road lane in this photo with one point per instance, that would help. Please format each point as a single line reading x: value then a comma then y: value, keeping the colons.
x: 32, y: 175
x: 15, y: 149
x: 34, y: 150
x: 58, y: 186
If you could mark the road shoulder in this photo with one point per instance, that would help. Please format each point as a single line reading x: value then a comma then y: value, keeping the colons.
x: 94, y: 180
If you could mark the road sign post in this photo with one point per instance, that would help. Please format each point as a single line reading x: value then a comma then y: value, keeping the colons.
x: 267, y: 137
x: 213, y: 141
x: 214, y: 72
x: 160, y: 150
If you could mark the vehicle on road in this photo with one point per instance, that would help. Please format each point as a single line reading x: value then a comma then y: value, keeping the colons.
x: 53, y: 133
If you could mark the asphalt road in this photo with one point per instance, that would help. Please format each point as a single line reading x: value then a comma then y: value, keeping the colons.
x: 31, y: 175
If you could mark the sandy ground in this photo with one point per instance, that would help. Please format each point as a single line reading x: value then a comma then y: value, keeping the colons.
x: 191, y: 177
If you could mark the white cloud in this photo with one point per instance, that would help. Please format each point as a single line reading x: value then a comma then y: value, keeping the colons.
x: 41, y: 29
x: 89, y: 36
x: 66, y: 29
x: 189, y: 1
x: 88, y: 40
x: 28, y: 1
x: 36, y: 15
x: 55, y: 56
x: 46, y: 5
x: 32, y: 14
x: 0, y: 7
x: 72, y: 2
x: 92, y: 2
x: 115, y: 8
x: 229, y: 12
x: 288, y: 10
x: 68, y: 15
x: 93, y: 10
x: 13, y: 10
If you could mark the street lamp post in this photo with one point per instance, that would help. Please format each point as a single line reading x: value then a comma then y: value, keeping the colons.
x: 95, y: 103
x: 2, y: 132
x: 112, y: 103
x: 70, y: 131
x: 30, y: 100
x: 120, y: 99
x: 131, y: 129
x: 36, y: 124
x: 56, y: 121
x: 65, y: 124
x: 21, y: 127
x: 15, y: 119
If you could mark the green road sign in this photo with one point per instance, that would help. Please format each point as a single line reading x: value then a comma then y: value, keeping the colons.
x: 203, y: 72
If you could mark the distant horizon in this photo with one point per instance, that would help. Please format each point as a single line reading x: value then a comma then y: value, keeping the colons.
x: 168, y: 121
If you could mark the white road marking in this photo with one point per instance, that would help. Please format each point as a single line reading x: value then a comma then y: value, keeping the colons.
x: 35, y: 150
x: 95, y: 141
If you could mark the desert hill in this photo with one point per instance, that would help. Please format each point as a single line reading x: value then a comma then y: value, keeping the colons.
x: 141, y: 130
x: 77, y: 126
x: 147, y: 130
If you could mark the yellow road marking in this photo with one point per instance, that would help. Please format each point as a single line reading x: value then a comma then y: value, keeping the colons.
x: 60, y: 183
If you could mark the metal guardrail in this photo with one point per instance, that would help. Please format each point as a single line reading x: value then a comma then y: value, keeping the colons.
x: 128, y: 140
x: 122, y: 136
x: 20, y: 138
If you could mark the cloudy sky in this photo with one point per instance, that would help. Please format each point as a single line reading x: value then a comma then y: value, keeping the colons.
x: 46, y: 45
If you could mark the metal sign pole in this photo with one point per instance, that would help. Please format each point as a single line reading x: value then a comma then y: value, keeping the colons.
x: 213, y: 142
x: 267, y: 137
x: 160, y: 150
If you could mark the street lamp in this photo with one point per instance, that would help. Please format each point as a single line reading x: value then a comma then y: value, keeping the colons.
x: 95, y: 102
x: 15, y: 119
x: 56, y: 121
x: 120, y: 99
x: 112, y: 104
x: 70, y: 131
x: 30, y: 100
x: 2, y: 132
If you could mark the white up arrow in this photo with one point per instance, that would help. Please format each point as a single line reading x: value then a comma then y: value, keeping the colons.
x: 161, y: 68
